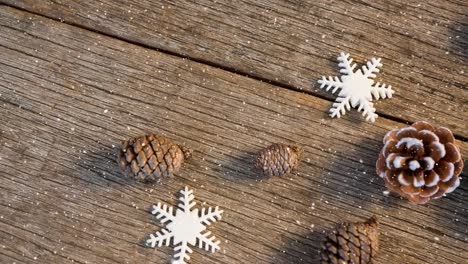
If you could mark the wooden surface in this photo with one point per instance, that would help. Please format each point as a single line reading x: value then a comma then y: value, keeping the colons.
x: 69, y: 95
x: 423, y: 44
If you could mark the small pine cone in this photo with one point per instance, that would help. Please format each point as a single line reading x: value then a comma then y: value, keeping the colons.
x: 151, y: 157
x: 352, y: 243
x: 278, y: 159
x: 420, y: 162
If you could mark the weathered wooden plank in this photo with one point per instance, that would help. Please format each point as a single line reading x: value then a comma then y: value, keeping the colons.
x: 292, y: 43
x: 69, y: 95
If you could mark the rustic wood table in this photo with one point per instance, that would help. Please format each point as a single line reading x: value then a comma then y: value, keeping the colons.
x: 226, y: 78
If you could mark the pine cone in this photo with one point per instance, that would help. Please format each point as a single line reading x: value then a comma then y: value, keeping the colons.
x: 151, y: 157
x: 352, y: 243
x: 420, y: 162
x: 278, y: 159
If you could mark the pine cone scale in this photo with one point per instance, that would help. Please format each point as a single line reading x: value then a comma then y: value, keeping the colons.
x: 148, y: 150
x: 458, y: 167
x: 423, y: 126
x: 162, y: 168
x: 168, y: 160
x: 436, y: 151
x: 410, y: 189
x: 407, y: 132
x: 141, y: 159
x: 135, y: 167
x: 453, y: 153
x: 138, y: 145
x: 157, y: 172
x: 426, y: 192
x: 445, y: 135
x: 343, y: 253
x: 153, y: 162
x: 426, y: 136
x: 159, y: 155
x: 129, y: 155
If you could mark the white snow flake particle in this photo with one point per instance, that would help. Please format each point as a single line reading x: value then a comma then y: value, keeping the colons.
x: 185, y: 227
x: 357, y: 87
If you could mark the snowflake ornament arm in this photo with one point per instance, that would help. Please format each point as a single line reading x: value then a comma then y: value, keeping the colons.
x: 185, y: 228
x: 164, y: 214
x: 211, y: 215
x: 162, y: 237
x: 357, y: 88
x: 186, y: 200
x: 371, y: 68
x: 340, y: 106
x: 181, y: 254
x: 346, y: 64
x: 207, y: 218
x: 209, y: 243
x: 368, y: 110
x: 331, y: 82
x: 381, y: 91
x: 347, y: 68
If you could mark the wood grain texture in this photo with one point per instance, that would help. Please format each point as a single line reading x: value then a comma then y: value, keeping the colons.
x: 68, y: 96
x: 424, y: 44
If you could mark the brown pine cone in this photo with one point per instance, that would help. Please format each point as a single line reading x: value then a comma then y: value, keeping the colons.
x: 151, y: 157
x: 420, y: 162
x: 277, y: 159
x: 352, y: 243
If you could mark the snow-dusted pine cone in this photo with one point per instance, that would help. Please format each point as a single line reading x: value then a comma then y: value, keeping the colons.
x: 278, y: 159
x: 352, y: 243
x: 420, y: 162
x: 149, y: 158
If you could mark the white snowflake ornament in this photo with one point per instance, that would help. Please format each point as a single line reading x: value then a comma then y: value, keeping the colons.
x: 185, y: 227
x: 357, y: 87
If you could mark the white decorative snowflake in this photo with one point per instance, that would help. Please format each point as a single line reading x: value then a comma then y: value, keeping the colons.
x: 185, y: 227
x: 357, y: 87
